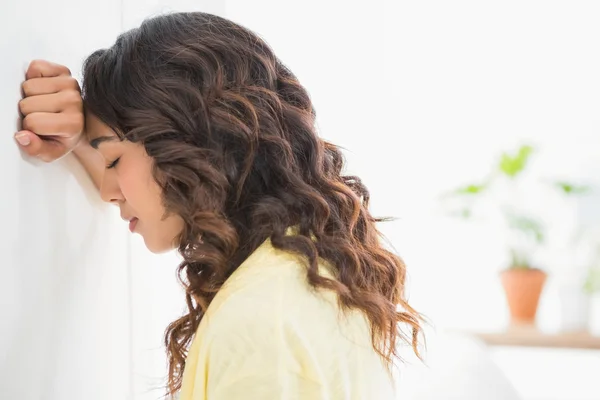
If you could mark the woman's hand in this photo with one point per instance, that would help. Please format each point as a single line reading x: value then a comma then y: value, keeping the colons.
x: 52, y: 108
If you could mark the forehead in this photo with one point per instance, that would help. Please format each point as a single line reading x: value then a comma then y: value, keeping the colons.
x: 94, y: 128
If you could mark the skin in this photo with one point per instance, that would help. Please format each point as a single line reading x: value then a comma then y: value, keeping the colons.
x: 128, y: 182
x: 53, y: 126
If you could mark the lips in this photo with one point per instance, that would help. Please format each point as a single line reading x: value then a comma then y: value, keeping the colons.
x: 132, y: 224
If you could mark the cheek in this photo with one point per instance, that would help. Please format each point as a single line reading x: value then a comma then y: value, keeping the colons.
x: 140, y: 190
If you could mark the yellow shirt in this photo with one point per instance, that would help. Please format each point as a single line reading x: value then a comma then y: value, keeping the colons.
x: 267, y: 335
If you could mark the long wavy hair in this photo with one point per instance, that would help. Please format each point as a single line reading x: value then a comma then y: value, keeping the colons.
x: 235, y: 149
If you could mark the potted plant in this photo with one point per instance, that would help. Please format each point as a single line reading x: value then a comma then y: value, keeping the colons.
x: 522, y: 281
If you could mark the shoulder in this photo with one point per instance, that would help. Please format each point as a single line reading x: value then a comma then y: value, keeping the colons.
x: 252, y: 298
x: 245, y: 320
x: 268, y: 292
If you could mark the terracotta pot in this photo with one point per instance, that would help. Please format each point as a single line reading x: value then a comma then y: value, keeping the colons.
x: 523, y: 288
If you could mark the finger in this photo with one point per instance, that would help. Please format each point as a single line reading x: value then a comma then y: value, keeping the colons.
x: 43, y: 68
x: 37, y: 86
x: 53, y: 124
x: 51, y: 103
x: 35, y: 146
x: 42, y: 103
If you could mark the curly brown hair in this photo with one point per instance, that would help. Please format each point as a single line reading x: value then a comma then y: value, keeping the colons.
x: 236, y: 153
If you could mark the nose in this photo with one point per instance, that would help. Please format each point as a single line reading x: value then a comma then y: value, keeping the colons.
x: 110, y: 191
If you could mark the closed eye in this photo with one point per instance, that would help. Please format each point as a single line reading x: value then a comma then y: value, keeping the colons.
x: 113, y: 164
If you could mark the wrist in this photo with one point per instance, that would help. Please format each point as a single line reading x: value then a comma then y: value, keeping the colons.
x: 81, y: 147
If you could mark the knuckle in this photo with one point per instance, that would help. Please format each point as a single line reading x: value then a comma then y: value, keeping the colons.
x: 75, y: 123
x: 36, y: 65
x: 72, y: 97
x: 30, y: 122
x: 23, y: 107
x: 26, y: 86
x: 73, y: 84
x: 80, y: 118
x: 79, y: 122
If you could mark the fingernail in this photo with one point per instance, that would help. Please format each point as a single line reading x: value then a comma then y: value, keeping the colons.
x: 23, y: 139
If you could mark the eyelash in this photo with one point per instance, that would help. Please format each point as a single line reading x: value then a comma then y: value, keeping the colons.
x: 113, y: 164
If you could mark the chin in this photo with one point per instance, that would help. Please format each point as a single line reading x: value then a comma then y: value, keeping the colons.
x: 160, y: 243
x: 157, y: 247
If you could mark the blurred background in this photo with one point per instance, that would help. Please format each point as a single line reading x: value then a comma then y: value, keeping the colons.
x: 474, y: 124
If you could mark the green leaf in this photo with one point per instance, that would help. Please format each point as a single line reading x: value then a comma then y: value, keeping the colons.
x: 465, y: 213
x: 462, y: 213
x: 527, y: 225
x: 592, y: 283
x: 572, y: 189
x: 519, y: 260
x: 513, y: 165
x: 471, y: 189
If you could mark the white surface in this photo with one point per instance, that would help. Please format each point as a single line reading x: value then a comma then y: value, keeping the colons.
x: 594, y: 314
x: 456, y: 367
x: 574, y: 309
x: 550, y: 374
x: 64, y: 288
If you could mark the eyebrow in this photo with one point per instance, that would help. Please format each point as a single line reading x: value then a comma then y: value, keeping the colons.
x: 96, y: 142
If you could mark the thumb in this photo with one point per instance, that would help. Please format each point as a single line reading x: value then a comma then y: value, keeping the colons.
x: 34, y: 146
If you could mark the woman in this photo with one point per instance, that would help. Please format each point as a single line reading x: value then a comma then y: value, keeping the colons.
x: 207, y: 143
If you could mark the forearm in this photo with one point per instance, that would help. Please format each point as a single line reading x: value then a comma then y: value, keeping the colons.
x: 91, y: 160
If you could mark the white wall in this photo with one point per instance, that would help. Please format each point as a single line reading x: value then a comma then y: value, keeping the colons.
x: 64, y: 302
